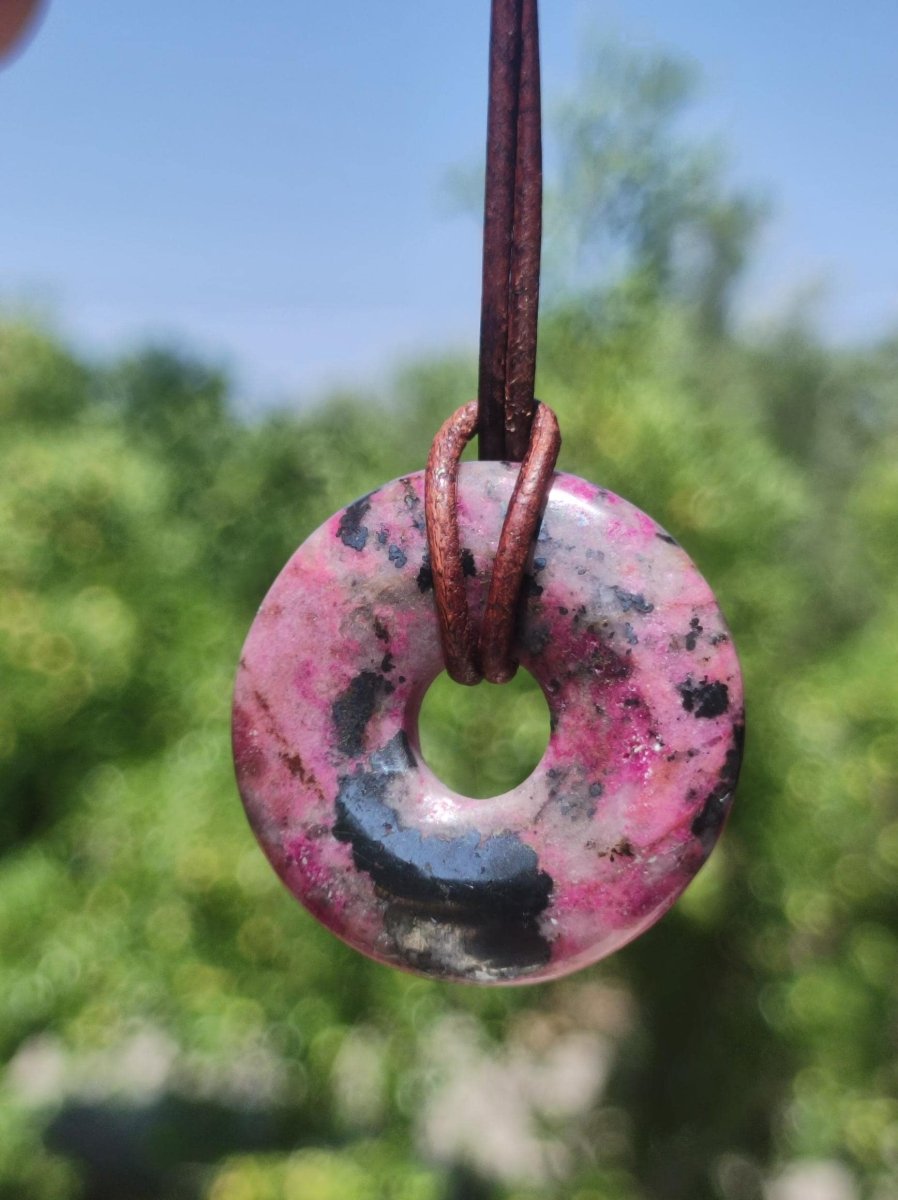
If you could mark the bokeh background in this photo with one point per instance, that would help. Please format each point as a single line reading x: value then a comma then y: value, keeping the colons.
x: 239, y: 274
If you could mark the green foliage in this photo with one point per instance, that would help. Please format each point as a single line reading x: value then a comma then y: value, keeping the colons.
x: 366, y: 1174
x: 637, y: 197
x: 485, y: 740
x: 135, y: 908
x: 175, y: 1025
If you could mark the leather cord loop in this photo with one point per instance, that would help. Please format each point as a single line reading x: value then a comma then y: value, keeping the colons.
x: 469, y: 657
x: 519, y: 532
x: 441, y: 512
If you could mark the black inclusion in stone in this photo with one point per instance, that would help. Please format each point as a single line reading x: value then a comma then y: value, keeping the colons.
x: 632, y: 601
x: 468, y: 566
x: 695, y: 631
x: 709, y: 821
x: 424, y: 578
x: 483, y: 948
x: 397, y: 556
x: 729, y: 773
x: 535, y: 638
x: 353, y: 709
x: 413, y: 504
x: 455, y: 905
x: 499, y: 873
x: 351, y: 531
x: 704, y: 699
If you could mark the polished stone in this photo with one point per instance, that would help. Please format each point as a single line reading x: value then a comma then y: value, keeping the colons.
x: 645, y: 697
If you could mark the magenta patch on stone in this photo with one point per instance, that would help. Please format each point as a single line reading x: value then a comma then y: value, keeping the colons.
x: 645, y: 697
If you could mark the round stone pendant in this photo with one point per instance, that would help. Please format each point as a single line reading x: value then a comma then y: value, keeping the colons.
x: 645, y: 698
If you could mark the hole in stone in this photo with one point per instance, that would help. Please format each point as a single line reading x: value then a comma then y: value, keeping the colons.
x: 485, y: 740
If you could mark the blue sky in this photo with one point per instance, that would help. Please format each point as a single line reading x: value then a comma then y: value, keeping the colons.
x: 265, y: 182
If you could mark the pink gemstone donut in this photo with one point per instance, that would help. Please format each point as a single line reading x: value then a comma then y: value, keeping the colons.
x: 645, y: 697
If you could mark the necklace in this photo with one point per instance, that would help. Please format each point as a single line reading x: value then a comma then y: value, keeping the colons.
x: 473, y: 569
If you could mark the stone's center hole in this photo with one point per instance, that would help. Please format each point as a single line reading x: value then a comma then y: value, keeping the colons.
x: 484, y: 740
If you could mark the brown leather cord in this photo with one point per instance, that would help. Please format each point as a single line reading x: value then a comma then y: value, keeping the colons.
x: 519, y: 532
x: 512, y: 233
x: 511, y: 423
x: 469, y: 658
x: 441, y: 512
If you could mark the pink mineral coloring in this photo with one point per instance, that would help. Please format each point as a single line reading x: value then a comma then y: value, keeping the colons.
x: 645, y: 697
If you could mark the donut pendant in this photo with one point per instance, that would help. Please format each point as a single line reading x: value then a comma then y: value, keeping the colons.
x: 645, y: 697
